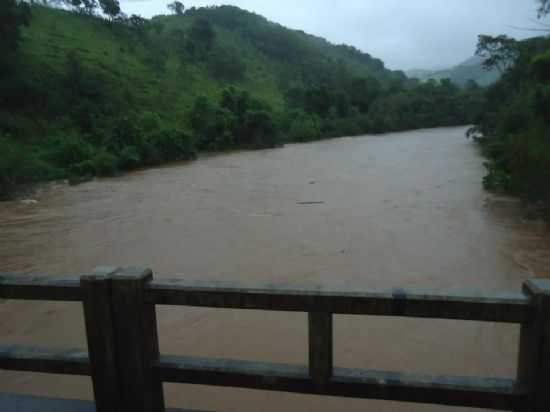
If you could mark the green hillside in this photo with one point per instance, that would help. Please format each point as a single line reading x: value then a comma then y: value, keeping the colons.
x: 84, y: 95
x: 471, y: 69
x: 157, y: 70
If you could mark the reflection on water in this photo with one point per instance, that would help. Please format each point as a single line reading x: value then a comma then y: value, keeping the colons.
x: 402, y: 210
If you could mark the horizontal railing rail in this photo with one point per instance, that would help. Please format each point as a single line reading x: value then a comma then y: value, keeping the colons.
x: 40, y: 287
x: 475, y: 306
x: 499, y: 394
x: 127, y: 369
x: 58, y: 361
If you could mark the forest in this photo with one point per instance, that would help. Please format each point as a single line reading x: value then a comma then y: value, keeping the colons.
x: 87, y: 90
x: 513, y: 128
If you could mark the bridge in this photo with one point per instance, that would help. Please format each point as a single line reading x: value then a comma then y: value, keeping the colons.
x: 128, y: 372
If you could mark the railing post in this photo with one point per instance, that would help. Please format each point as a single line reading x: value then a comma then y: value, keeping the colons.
x: 320, y: 347
x: 534, y: 352
x: 96, y: 301
x: 136, y: 341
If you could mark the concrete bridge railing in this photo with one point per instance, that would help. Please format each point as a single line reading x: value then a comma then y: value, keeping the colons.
x: 127, y: 370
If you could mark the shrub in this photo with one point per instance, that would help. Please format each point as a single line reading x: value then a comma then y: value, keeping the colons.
x: 78, y: 158
x: 129, y: 158
x: 18, y: 165
x: 540, y: 66
x: 305, y: 127
x: 258, y: 129
x: 213, y: 126
x: 68, y: 150
x: 169, y: 145
x: 104, y: 163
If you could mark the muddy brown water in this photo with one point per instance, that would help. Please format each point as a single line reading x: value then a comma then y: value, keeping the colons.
x: 399, y: 210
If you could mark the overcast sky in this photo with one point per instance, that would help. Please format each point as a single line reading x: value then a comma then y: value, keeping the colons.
x: 404, y: 33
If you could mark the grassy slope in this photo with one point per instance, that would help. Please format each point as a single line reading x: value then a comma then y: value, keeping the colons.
x: 121, y: 63
x: 126, y: 63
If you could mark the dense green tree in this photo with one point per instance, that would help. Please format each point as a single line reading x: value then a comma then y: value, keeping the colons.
x: 213, y: 126
x: 364, y: 91
x: 238, y: 121
x: 110, y: 7
x: 540, y: 67
x: 203, y: 34
x: 14, y: 89
x: 498, y: 52
x: 252, y: 125
x: 176, y: 7
x: 13, y: 15
x: 225, y: 64
x: 513, y: 127
x: 258, y: 130
x: 303, y: 127
x: 84, y: 6
x: 138, y: 24
x: 236, y: 101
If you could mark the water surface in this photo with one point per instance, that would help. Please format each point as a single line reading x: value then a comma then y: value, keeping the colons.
x: 399, y: 210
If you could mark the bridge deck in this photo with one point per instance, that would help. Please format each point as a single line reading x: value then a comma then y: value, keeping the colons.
x: 24, y: 403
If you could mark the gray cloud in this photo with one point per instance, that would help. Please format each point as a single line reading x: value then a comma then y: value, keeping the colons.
x: 404, y: 33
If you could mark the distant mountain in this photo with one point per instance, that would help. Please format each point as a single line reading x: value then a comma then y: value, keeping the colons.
x: 470, y: 69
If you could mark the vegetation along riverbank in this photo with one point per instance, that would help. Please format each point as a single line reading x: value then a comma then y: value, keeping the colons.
x: 514, y: 123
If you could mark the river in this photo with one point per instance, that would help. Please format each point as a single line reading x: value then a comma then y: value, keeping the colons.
x: 398, y: 210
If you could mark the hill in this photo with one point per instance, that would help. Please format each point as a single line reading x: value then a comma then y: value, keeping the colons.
x: 83, y: 95
x: 471, y: 69
x: 165, y: 64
